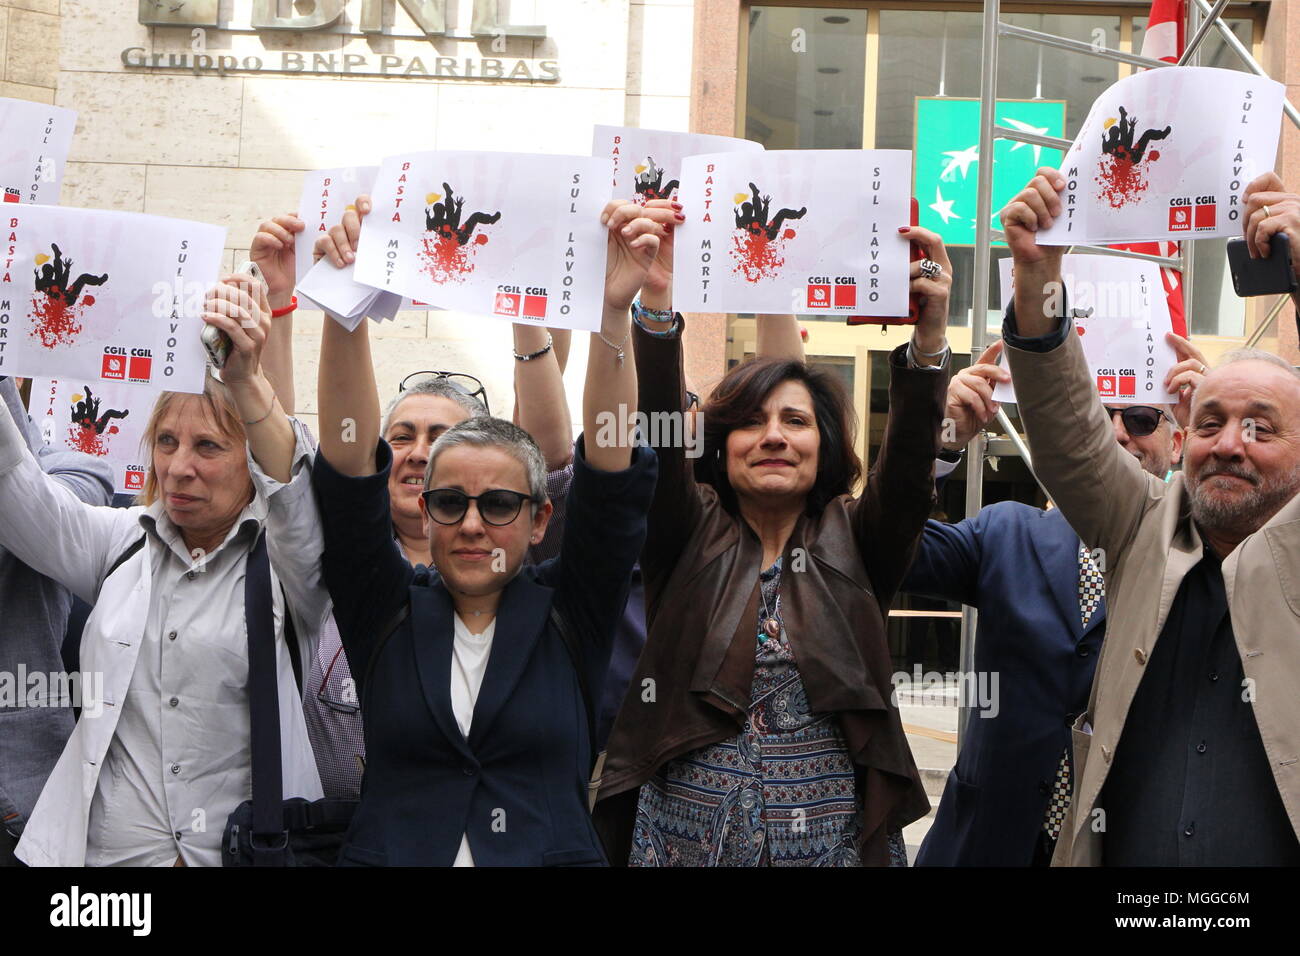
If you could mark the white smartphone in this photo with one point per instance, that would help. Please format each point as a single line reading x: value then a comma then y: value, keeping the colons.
x: 216, y: 342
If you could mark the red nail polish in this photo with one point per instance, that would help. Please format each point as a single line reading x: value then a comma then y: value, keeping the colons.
x: 679, y: 217
x: 903, y: 228
x: 677, y: 205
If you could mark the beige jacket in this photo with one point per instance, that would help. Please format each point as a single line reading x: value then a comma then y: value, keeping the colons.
x: 1148, y: 543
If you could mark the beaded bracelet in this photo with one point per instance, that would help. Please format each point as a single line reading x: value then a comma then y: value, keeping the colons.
x: 539, y: 353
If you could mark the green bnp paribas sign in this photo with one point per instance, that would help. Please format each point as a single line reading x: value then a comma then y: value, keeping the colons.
x: 946, y: 158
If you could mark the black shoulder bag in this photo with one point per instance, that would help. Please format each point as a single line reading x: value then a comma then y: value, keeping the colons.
x: 269, y: 830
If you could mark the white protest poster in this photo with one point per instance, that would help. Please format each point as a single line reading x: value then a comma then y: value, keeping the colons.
x: 97, y: 296
x: 104, y: 419
x: 1166, y: 154
x: 1124, y: 331
x: 326, y: 195
x: 511, y: 235
x: 812, y: 232
x: 34, y: 143
x: 336, y: 292
x: 648, y: 162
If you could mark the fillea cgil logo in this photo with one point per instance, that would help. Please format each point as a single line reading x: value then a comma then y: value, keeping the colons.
x: 498, y: 60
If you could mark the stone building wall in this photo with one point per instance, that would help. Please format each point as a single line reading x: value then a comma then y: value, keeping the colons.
x: 230, y: 150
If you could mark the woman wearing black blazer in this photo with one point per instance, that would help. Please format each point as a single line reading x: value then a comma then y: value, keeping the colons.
x: 476, y: 726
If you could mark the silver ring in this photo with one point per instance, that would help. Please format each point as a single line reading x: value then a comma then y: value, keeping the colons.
x: 1202, y: 368
x: 1266, y: 212
x: 930, y: 269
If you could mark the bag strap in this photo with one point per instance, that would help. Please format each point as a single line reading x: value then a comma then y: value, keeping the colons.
x: 126, y: 556
x: 291, y: 639
x: 576, y: 657
x: 70, y: 646
x: 269, y: 839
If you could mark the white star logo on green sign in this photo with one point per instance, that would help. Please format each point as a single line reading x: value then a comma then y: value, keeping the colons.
x: 946, y: 158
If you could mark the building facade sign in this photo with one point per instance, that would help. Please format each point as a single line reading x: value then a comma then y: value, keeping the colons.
x: 375, y: 20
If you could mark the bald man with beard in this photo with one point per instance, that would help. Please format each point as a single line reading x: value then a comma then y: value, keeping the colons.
x: 1189, y: 749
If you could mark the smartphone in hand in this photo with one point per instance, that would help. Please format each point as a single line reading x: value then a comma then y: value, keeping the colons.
x: 216, y: 342
x: 1272, y: 276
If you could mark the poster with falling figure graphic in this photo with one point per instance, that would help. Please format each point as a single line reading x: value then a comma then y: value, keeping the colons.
x: 103, y: 419
x: 509, y: 235
x: 1166, y: 154
x: 811, y: 232
x: 34, y: 143
x: 326, y: 195
x: 648, y: 162
x: 1123, y: 329
x: 105, y: 296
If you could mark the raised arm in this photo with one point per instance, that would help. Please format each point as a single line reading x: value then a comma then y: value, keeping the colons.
x: 779, y: 337
x: 1100, y: 488
x: 947, y: 562
x: 347, y: 396
x: 661, y: 389
x: 899, y: 492
x: 273, y: 251
x: 237, y: 305
x: 605, y: 519
x: 542, y: 408
x: 610, y: 394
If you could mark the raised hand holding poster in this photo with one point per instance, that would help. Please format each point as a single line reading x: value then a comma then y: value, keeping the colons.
x: 802, y: 231
x: 34, y: 143
x: 1166, y: 154
x: 511, y: 235
x: 103, y: 296
x: 648, y: 162
x: 326, y: 195
x: 104, y: 419
x: 1124, y: 331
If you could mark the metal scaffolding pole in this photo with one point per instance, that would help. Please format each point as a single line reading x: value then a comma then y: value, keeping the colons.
x: 979, y: 314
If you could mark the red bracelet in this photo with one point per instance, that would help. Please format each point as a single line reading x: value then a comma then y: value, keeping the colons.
x: 280, y: 313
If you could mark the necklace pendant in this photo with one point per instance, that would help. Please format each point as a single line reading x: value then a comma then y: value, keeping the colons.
x: 620, y: 358
x: 772, y: 627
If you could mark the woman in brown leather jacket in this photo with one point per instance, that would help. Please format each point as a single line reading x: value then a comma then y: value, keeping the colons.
x: 759, y: 727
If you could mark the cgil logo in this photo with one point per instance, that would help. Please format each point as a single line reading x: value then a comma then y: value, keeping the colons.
x: 117, y: 366
x: 75, y: 909
x: 509, y: 301
x: 827, y: 293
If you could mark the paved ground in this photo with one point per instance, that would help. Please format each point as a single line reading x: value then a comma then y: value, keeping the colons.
x: 931, y: 727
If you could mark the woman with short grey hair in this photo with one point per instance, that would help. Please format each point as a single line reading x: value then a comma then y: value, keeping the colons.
x: 475, y: 673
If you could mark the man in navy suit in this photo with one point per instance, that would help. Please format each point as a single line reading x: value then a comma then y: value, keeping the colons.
x: 1041, y: 622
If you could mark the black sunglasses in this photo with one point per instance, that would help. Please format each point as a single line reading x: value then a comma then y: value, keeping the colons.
x: 1139, y: 420
x: 457, y: 380
x: 497, y: 507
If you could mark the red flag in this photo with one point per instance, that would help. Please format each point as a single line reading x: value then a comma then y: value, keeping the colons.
x: 1164, y: 36
x: 1164, y: 41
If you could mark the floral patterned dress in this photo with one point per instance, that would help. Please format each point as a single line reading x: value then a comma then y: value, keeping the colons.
x: 782, y: 792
